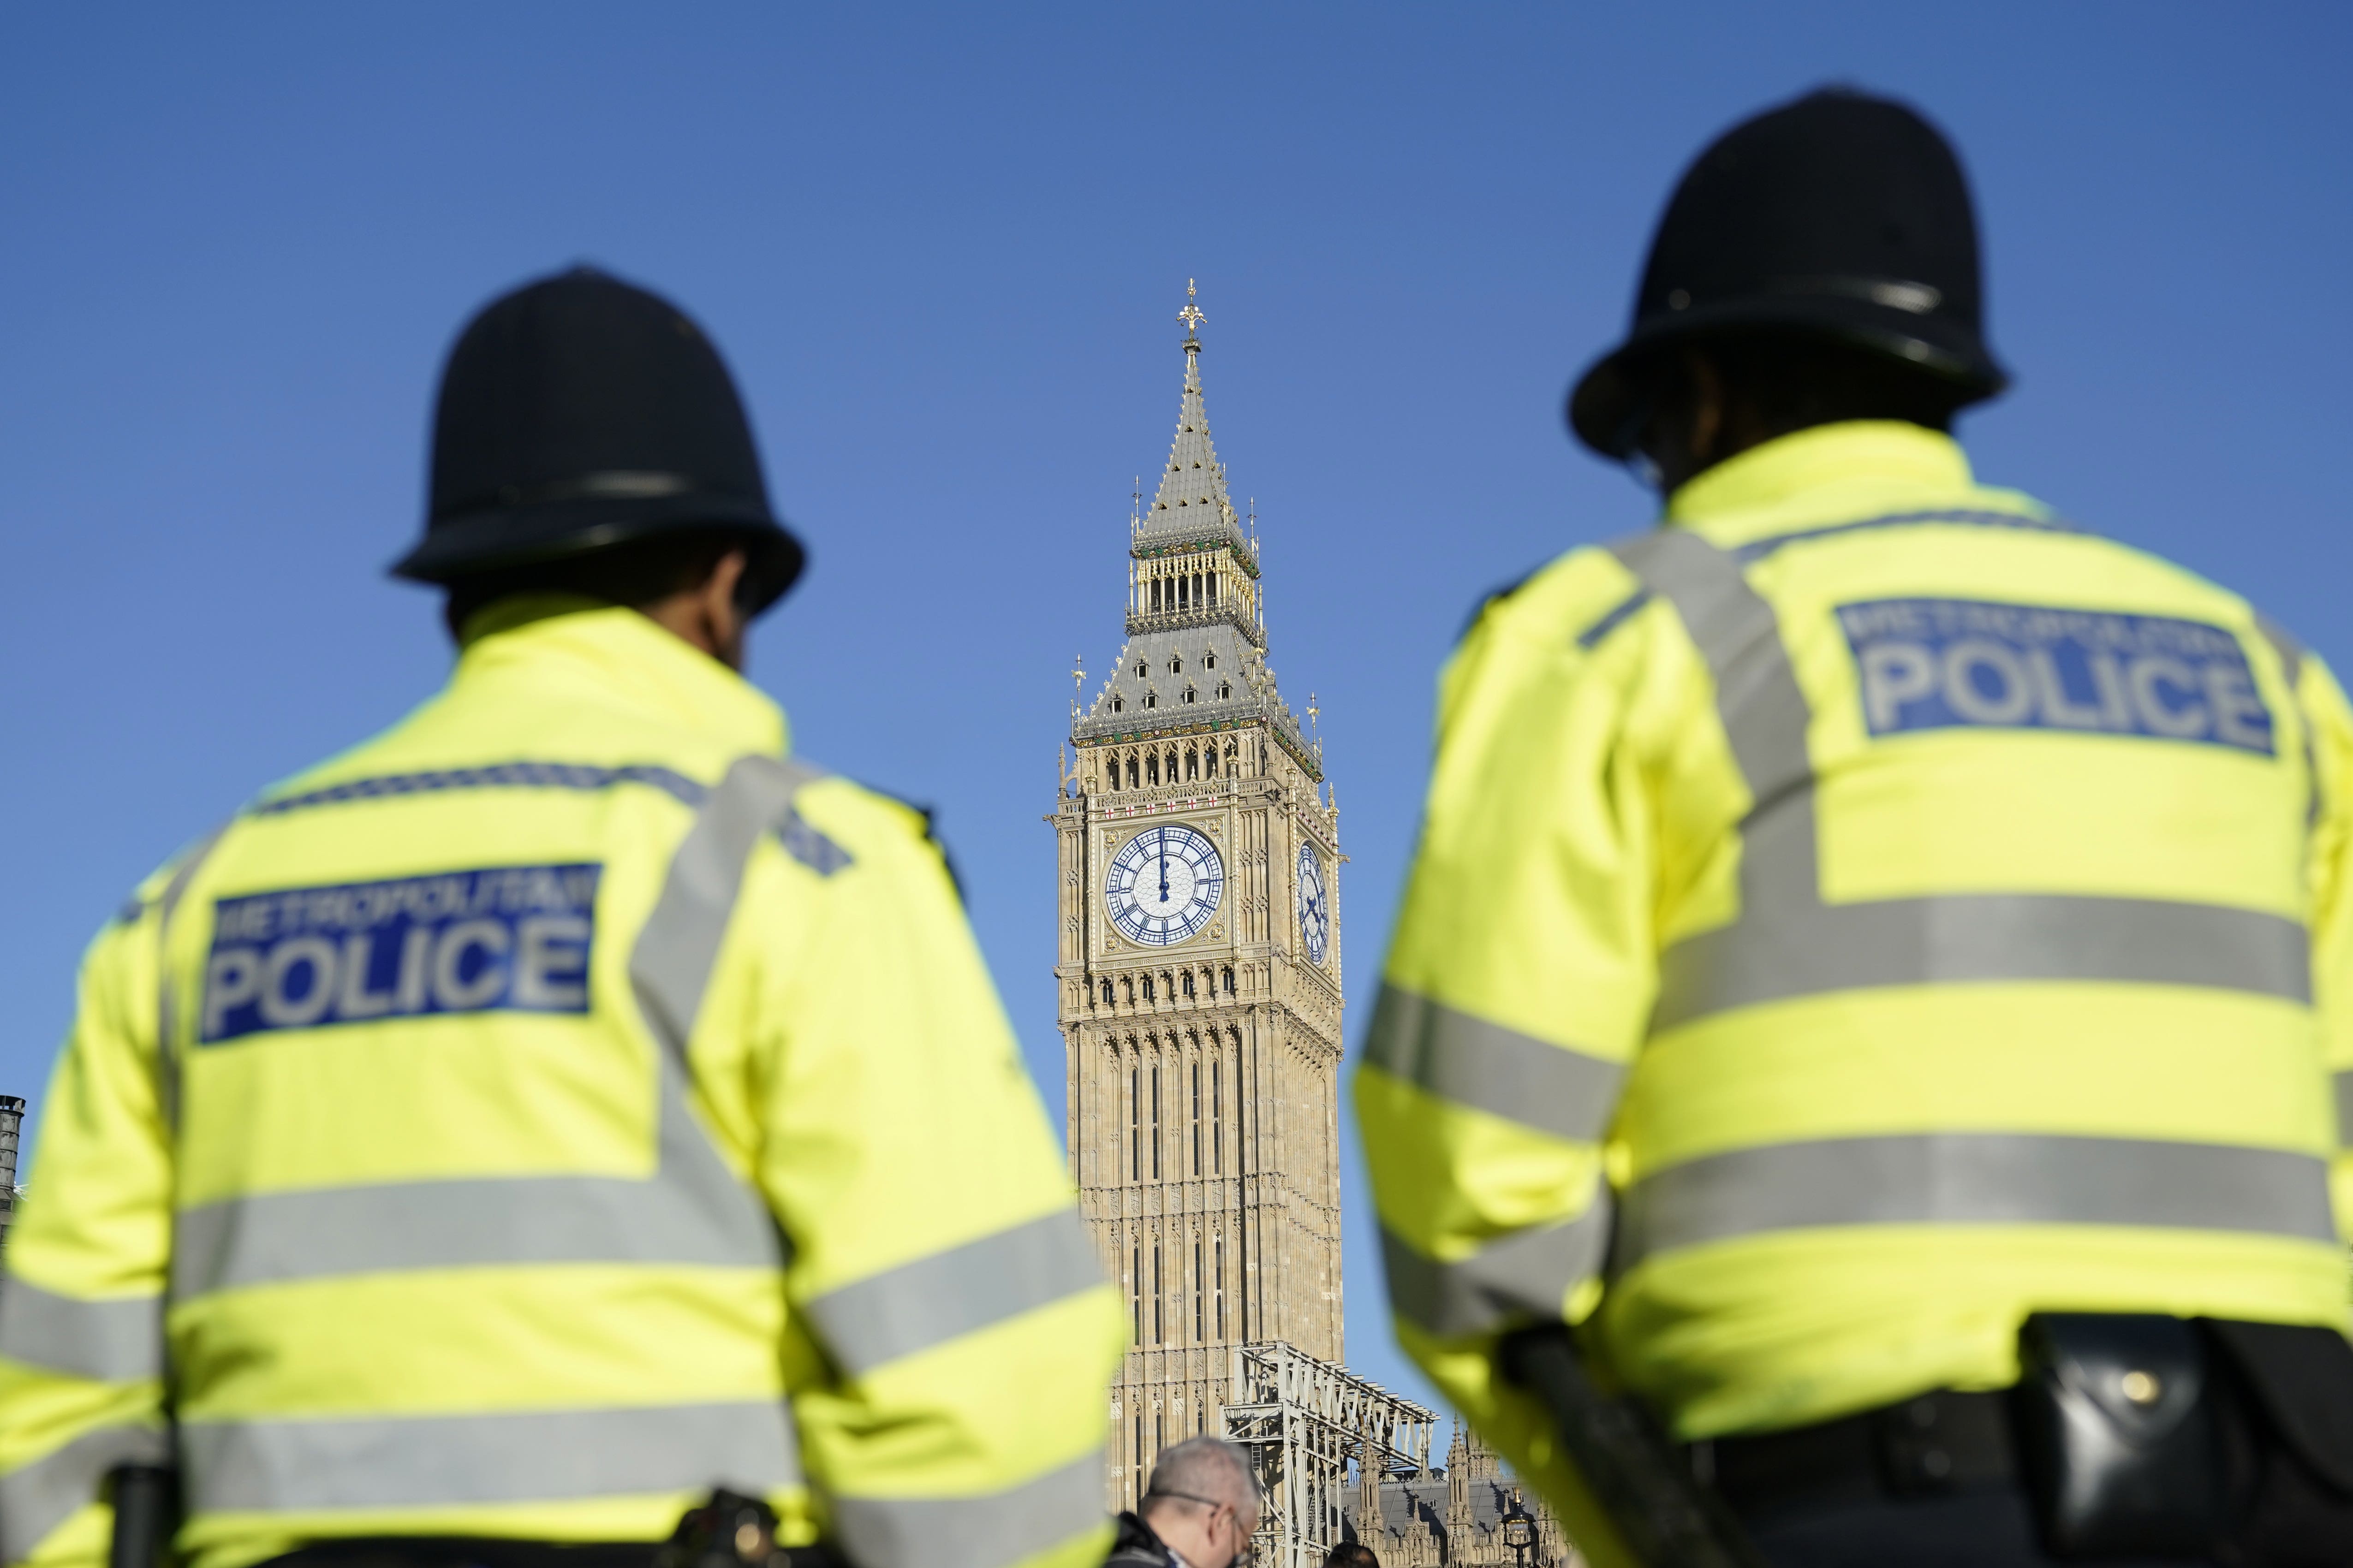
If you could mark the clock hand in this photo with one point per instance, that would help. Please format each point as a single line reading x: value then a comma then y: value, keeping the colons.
x: 1164, y: 864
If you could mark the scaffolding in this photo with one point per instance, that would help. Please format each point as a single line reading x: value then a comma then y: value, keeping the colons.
x: 1301, y: 1421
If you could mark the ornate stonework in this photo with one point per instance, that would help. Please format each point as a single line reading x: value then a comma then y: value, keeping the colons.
x: 1198, y: 968
x: 1199, y: 1002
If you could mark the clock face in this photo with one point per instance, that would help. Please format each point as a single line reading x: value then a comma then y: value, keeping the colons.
x: 1315, y: 912
x: 1164, y: 886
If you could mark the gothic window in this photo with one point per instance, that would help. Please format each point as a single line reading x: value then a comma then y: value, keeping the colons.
x: 1176, y: 664
x: 1188, y: 986
x: 1172, y: 764
x: 1155, y: 1124
x: 1208, y: 661
x: 1135, y: 1291
x: 1197, y: 587
x: 1213, y: 591
x: 1152, y: 700
x: 1128, y: 985
x: 1131, y: 770
x: 1115, y: 704
x: 1201, y: 1330
x: 1192, y: 755
x: 1226, y: 976
x: 1151, y: 767
x: 1109, y: 1000
x: 1147, y: 988
x: 1155, y: 598
x: 1159, y: 1331
x: 1136, y: 1124
x: 1219, y: 1282
x: 1196, y: 1123
x: 1225, y: 692
x: 1217, y: 1129
x: 1188, y: 694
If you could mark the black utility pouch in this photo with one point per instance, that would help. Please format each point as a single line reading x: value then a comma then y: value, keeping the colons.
x: 2289, y: 1429
x: 2117, y: 1437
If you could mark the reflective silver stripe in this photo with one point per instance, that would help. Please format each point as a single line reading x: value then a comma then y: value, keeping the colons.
x: 512, y: 1457
x: 167, y: 1015
x: 2291, y: 656
x: 1526, y: 1275
x: 2343, y: 1083
x: 1975, y: 1178
x: 1787, y: 942
x: 118, y: 1340
x: 2284, y: 644
x: 35, y: 1499
x: 974, y: 1532
x: 1802, y: 948
x: 1489, y: 1067
x: 953, y: 1292
x: 672, y: 961
x: 1764, y: 711
x: 694, y: 1209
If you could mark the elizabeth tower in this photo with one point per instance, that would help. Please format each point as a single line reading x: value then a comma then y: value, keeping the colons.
x: 1199, y: 971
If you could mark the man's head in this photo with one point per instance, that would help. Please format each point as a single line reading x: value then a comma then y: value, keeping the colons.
x: 588, y: 440
x: 1203, y: 1502
x: 1351, y: 1554
x: 1817, y: 263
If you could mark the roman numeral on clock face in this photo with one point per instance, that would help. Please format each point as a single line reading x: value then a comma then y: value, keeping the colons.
x: 1163, y: 885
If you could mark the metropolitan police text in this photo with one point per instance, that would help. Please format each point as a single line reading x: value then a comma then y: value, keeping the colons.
x: 1928, y: 664
x: 510, y: 938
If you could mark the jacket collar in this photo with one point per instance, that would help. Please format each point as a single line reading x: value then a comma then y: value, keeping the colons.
x: 1134, y: 1541
x: 574, y: 649
x: 1872, y: 462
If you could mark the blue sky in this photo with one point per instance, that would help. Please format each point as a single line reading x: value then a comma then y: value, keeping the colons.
x: 943, y: 249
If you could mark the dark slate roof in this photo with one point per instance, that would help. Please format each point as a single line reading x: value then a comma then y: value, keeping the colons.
x: 1426, y: 1497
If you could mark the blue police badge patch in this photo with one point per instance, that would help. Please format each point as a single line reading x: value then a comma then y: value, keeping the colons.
x: 503, y: 939
x: 1936, y: 664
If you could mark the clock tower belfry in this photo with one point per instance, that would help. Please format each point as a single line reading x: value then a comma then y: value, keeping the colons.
x: 1199, y: 971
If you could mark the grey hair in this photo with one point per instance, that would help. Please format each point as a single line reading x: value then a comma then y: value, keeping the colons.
x: 1207, y: 1468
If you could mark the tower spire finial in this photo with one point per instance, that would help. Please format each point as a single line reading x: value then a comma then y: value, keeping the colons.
x: 1192, y: 317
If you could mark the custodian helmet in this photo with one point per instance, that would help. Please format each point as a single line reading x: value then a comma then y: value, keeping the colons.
x: 1838, y: 216
x: 578, y: 412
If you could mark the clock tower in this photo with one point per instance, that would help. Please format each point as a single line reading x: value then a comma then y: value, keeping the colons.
x: 1199, y: 971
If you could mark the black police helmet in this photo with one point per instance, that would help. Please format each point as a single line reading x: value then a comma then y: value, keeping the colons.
x: 1839, y: 215
x: 578, y: 412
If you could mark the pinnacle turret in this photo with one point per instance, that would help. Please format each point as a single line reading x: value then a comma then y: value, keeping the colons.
x: 1195, y: 623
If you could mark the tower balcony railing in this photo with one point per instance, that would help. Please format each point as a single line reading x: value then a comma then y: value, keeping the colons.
x: 1225, y: 615
x: 1192, y: 792
x: 1215, y: 985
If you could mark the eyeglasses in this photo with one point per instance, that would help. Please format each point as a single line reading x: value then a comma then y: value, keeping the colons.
x: 1247, y: 1554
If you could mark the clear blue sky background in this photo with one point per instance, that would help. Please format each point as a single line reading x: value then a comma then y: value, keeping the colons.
x: 943, y: 249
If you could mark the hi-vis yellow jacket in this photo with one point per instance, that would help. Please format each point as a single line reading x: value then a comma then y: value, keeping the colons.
x: 1850, y: 917
x: 559, y: 1105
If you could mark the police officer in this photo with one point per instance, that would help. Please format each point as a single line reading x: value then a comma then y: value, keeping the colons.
x: 1877, y: 948
x: 567, y: 1102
